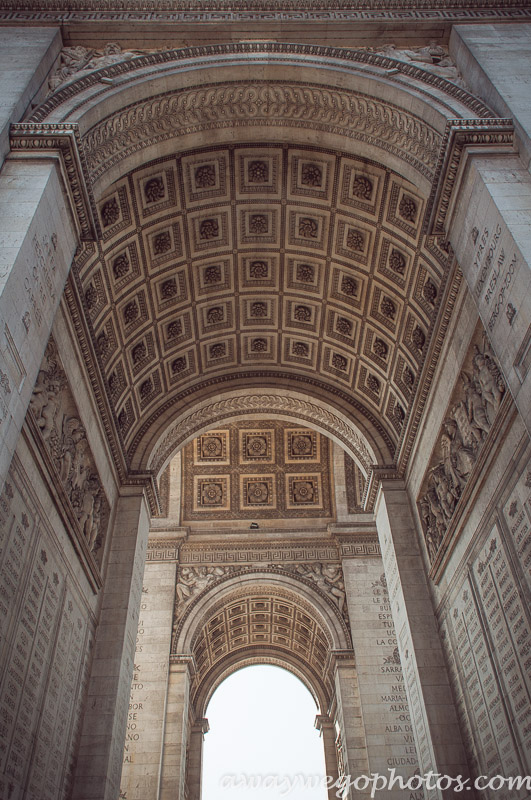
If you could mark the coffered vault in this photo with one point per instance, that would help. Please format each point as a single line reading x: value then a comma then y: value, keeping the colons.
x: 225, y: 246
x: 226, y: 276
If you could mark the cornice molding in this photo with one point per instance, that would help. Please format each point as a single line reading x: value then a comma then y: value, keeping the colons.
x: 462, y: 135
x: 256, y: 10
x: 62, y: 140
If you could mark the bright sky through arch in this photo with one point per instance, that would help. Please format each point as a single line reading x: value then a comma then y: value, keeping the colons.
x: 262, y: 723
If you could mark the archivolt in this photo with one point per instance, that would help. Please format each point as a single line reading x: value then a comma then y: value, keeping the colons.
x: 261, y: 617
x: 299, y: 408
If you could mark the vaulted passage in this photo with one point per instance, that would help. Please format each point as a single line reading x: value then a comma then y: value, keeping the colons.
x: 274, y: 266
x: 265, y: 387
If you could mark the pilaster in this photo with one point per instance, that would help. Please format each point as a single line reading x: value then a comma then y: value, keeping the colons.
x: 148, y: 696
x: 104, y: 728
x: 176, y: 730
x: 386, y: 717
x: 433, y: 715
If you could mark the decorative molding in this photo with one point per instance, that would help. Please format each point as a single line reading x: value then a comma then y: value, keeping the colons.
x: 299, y: 11
x: 266, y: 404
x: 360, y: 547
x: 189, y: 111
x: 495, y: 135
x: 375, y: 477
x: 258, y: 554
x: 452, y: 288
x: 163, y: 551
x: 207, y: 554
x: 63, y: 139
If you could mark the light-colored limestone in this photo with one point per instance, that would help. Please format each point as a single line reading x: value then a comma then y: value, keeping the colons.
x: 437, y: 665
x: 26, y: 56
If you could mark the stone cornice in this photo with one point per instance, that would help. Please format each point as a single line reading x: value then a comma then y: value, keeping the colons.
x: 62, y: 140
x: 461, y: 136
x: 255, y: 10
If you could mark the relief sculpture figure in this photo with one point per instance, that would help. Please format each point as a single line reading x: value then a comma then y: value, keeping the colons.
x: 461, y: 437
x: 65, y: 437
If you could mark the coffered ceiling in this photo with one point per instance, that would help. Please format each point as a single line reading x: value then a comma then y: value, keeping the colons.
x: 303, y: 268
x: 259, y: 624
x: 257, y: 470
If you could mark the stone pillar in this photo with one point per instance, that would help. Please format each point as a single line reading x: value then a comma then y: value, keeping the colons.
x: 176, y: 729
x: 349, y: 718
x: 388, y: 729
x: 326, y: 727
x: 104, y: 726
x: 147, y: 700
x: 490, y: 232
x: 194, y: 768
x: 433, y: 715
x: 37, y: 243
x: 26, y: 56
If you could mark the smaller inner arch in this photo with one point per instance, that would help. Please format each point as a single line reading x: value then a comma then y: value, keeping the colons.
x: 262, y: 738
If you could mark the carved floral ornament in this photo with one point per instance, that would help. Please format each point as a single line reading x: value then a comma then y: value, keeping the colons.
x: 472, y: 412
x: 303, y: 410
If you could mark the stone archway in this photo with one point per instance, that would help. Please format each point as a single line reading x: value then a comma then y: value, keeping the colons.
x: 117, y: 129
x: 140, y: 389
x: 243, y: 616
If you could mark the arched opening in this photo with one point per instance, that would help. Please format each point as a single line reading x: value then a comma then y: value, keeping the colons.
x: 223, y: 283
x: 262, y: 737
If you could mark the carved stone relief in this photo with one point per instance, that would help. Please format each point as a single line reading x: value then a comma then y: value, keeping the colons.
x: 193, y: 580
x: 432, y: 57
x: 78, y: 61
x: 327, y: 577
x: 468, y: 420
x: 247, y: 470
x: 57, y: 418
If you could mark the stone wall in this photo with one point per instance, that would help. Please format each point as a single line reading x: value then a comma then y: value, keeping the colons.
x: 485, y: 627
x: 47, y: 628
x: 480, y: 574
